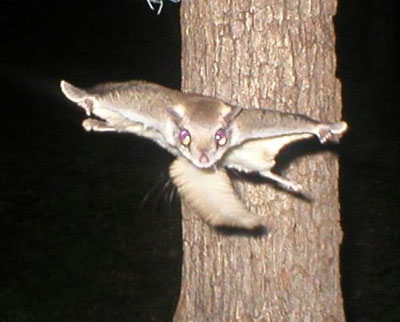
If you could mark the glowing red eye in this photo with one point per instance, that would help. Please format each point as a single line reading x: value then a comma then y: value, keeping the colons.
x: 220, y: 137
x: 184, y: 137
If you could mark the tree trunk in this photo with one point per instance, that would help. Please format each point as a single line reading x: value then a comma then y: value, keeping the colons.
x: 277, y: 54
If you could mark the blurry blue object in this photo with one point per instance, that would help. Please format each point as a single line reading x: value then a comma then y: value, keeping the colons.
x: 160, y: 3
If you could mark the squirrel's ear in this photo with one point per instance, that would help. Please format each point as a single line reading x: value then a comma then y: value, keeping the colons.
x: 232, y: 114
x: 176, y: 111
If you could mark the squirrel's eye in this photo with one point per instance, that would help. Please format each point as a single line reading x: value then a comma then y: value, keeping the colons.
x: 220, y: 137
x: 184, y: 137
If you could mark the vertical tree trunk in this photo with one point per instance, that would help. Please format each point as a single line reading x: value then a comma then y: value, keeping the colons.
x: 278, y: 54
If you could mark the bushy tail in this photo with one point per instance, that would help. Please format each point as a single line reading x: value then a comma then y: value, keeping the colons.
x: 210, y: 193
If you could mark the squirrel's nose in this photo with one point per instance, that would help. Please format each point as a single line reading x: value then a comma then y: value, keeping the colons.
x: 204, y: 158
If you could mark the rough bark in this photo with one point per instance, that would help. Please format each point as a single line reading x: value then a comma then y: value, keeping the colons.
x: 277, y: 54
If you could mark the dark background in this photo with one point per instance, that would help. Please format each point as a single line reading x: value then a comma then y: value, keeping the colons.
x: 89, y: 227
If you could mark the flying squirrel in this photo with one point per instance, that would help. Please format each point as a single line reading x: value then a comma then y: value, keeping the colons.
x: 207, y: 135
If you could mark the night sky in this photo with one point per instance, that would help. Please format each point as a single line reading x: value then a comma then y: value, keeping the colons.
x: 75, y: 243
